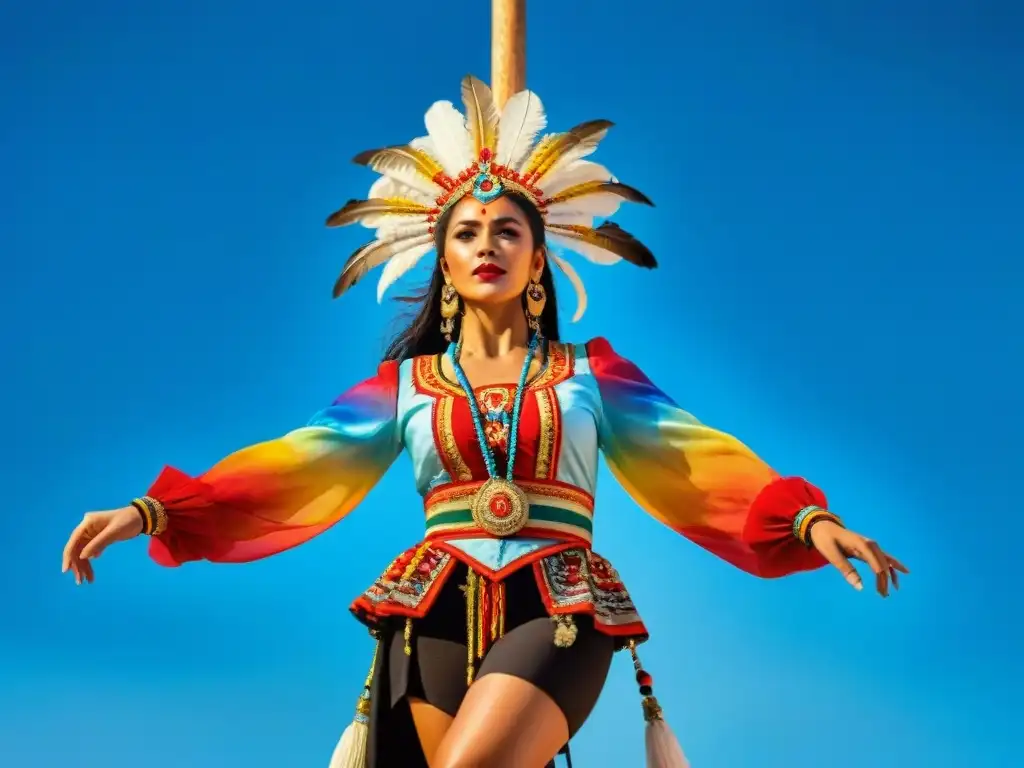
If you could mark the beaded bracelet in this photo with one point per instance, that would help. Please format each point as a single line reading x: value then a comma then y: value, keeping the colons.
x: 154, y: 516
x: 807, y: 517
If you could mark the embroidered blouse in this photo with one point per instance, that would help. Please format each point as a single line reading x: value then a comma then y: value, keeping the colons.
x: 700, y: 482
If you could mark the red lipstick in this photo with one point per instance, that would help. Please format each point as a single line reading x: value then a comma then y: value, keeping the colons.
x: 488, y: 272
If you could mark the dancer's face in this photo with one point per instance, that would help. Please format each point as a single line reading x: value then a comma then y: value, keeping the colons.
x: 489, y: 251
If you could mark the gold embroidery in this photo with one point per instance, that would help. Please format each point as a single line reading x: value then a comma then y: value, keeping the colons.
x: 429, y: 379
x: 547, y: 409
x: 444, y: 432
x: 559, y: 368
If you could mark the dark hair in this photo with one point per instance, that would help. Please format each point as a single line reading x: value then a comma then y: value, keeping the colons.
x: 423, y: 334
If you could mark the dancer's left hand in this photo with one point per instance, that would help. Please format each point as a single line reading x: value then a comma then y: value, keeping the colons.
x: 838, y: 545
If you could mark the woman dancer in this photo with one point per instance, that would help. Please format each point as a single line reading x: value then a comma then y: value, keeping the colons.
x: 496, y: 631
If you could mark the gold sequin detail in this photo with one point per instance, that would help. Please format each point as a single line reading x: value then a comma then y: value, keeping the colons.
x: 547, y: 408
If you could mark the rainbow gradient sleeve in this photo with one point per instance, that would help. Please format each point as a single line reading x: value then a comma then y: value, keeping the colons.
x: 277, y: 494
x: 700, y: 482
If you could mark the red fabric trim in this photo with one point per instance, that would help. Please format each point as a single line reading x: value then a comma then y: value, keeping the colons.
x: 362, y: 605
x: 542, y: 587
x: 635, y: 629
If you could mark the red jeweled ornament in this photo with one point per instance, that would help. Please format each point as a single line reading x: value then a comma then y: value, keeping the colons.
x: 500, y: 505
x: 501, y: 508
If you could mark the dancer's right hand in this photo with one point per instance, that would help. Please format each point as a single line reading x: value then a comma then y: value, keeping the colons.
x: 96, y: 532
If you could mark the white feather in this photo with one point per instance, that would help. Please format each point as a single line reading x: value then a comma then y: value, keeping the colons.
x: 587, y: 250
x: 404, y: 172
x: 572, y: 156
x: 579, y: 172
x: 388, y: 188
x: 384, y: 221
x: 401, y: 263
x: 601, y: 205
x: 453, y: 147
x: 397, y: 229
x: 481, y: 114
x: 521, y: 120
x: 569, y: 217
x: 577, y: 283
x: 424, y: 144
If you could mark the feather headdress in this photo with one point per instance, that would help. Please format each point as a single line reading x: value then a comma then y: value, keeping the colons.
x: 485, y: 154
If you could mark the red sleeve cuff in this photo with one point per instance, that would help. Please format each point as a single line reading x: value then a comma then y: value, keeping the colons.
x: 769, y: 528
x: 183, y: 498
x: 178, y: 491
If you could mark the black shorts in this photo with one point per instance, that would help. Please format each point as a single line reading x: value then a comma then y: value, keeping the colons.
x: 436, y: 669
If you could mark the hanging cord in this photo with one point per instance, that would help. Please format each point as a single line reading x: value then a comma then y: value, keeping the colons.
x: 485, y: 618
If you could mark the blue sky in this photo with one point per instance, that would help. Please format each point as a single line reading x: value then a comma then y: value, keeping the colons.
x: 838, y: 192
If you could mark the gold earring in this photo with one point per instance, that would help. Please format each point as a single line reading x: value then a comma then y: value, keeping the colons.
x: 536, y: 298
x: 449, y: 309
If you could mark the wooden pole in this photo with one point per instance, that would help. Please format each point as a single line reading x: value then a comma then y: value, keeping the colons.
x: 508, y: 49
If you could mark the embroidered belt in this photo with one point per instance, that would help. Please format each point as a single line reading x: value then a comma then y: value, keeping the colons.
x: 557, y: 511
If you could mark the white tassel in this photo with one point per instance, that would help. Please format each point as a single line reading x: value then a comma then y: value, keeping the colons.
x: 351, y: 749
x: 663, y: 750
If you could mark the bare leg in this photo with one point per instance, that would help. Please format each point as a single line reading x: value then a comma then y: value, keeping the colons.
x: 504, y: 722
x: 431, y: 726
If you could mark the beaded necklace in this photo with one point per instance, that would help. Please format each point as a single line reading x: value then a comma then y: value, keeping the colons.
x: 500, y: 507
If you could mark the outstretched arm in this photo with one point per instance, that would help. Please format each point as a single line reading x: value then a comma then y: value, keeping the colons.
x: 709, y: 486
x: 268, y: 497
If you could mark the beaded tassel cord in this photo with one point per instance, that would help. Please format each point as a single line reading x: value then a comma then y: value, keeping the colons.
x: 478, y: 425
x: 663, y: 750
x: 351, y: 749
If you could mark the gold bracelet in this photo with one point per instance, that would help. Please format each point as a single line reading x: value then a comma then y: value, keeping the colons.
x: 154, y: 516
x: 161, y: 516
x: 144, y: 513
x: 816, y: 517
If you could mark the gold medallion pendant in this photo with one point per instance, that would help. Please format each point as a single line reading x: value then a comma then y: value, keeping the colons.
x: 501, y: 508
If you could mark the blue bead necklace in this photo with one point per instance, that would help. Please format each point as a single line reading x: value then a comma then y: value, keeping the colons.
x: 500, y: 507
